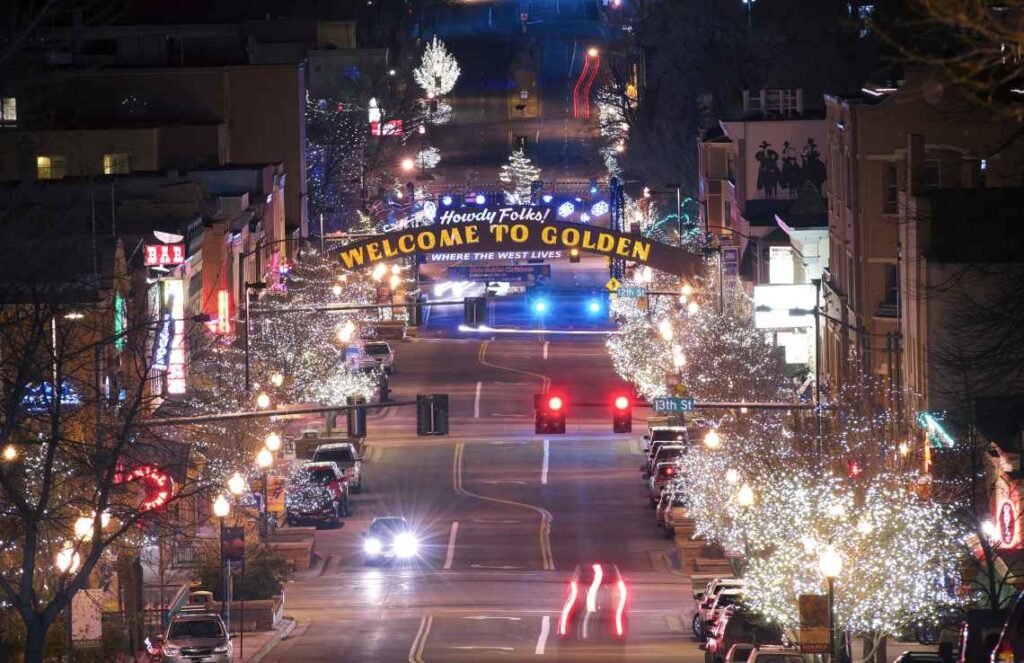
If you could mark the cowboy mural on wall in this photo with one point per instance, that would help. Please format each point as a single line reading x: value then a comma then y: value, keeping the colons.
x: 787, y: 171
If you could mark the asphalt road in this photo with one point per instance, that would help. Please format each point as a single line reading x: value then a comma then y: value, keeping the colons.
x: 504, y: 515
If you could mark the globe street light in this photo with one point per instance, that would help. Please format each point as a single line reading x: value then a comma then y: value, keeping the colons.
x: 10, y: 453
x: 712, y: 440
x: 732, y: 476
x: 263, y: 400
x: 408, y: 164
x: 346, y: 332
x: 273, y: 441
x: 67, y: 562
x: 831, y: 565
x: 221, y: 509
x: 692, y: 308
x: 264, y: 459
x: 236, y: 484
x: 277, y: 379
x: 665, y: 329
x: 745, y: 498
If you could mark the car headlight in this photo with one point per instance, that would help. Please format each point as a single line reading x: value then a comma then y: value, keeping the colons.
x: 170, y: 651
x: 372, y: 546
x: 221, y: 649
x: 406, y: 545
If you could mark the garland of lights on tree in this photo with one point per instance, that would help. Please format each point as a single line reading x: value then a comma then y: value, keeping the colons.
x: 519, y: 173
x: 438, y: 71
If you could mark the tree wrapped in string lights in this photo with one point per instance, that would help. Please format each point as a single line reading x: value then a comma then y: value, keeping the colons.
x: 518, y: 173
x: 301, y: 345
x: 438, y: 71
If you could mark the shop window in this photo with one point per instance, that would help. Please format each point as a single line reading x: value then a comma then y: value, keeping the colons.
x: 50, y: 167
x: 8, y: 110
x: 118, y: 163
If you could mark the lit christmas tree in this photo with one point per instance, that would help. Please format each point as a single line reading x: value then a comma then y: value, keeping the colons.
x: 519, y: 173
x: 438, y: 71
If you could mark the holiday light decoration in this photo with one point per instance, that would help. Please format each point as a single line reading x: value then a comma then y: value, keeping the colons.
x: 519, y: 173
x: 427, y: 158
x: 438, y: 71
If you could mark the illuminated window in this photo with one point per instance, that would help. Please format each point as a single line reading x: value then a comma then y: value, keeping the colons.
x: 50, y: 167
x: 118, y: 163
x: 8, y: 110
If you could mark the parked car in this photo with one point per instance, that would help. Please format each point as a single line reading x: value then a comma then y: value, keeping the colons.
x: 662, y: 475
x: 675, y: 513
x: 729, y: 596
x: 735, y: 636
x: 380, y: 351
x: 594, y: 615
x: 196, y: 636
x: 979, y: 634
x: 706, y: 599
x: 390, y: 538
x: 317, y: 492
x: 347, y: 457
x: 665, y: 453
x: 664, y: 504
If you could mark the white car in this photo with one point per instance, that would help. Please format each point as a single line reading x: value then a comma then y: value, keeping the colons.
x: 382, y: 353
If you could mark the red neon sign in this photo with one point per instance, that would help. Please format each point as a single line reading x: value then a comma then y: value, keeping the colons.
x: 157, y: 486
x: 1007, y: 524
x: 158, y: 255
x: 223, y: 321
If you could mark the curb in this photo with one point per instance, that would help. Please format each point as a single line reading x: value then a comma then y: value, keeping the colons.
x: 280, y: 635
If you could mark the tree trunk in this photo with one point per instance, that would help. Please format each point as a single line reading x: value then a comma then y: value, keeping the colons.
x: 35, y: 640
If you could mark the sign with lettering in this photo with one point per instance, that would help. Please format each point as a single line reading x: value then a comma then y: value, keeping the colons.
x: 813, y: 624
x: 159, y: 255
x: 481, y: 256
x: 510, y: 273
x: 671, y: 404
x: 484, y: 236
x: 510, y: 214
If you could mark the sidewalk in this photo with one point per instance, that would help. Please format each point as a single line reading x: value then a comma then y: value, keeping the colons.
x: 255, y: 645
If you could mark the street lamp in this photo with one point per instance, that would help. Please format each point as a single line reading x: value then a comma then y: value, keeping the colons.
x: 221, y: 509
x: 273, y: 441
x: 10, y: 453
x: 236, y: 484
x: 732, y: 476
x: 831, y: 565
x: 745, y: 498
x: 665, y: 329
x: 712, y: 440
x: 263, y: 400
x: 408, y: 164
x: 394, y: 281
x: 346, y: 332
x: 264, y: 459
x: 277, y: 379
x: 68, y: 562
x: 692, y: 308
x: 592, y: 52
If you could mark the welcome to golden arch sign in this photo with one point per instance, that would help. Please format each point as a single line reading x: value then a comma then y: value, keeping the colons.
x: 482, y: 236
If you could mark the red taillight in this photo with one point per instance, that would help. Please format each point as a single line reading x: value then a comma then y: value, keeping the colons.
x: 563, y: 623
x: 621, y: 403
x: 555, y: 403
x: 620, y: 609
x: 669, y: 471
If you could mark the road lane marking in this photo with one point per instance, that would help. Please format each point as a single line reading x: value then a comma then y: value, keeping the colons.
x: 503, y: 567
x: 419, y: 643
x: 546, y: 349
x: 487, y: 520
x: 488, y: 648
x: 451, y: 545
x: 476, y: 401
x: 546, y: 555
x: 544, y: 466
x: 482, y: 617
x: 481, y: 357
x: 542, y: 639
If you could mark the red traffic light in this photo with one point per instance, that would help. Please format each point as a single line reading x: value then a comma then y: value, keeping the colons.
x: 555, y: 403
x: 621, y: 403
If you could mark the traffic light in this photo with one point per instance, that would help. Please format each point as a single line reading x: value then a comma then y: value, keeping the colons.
x: 549, y: 415
x: 574, y: 254
x: 854, y: 469
x: 355, y: 417
x: 622, y: 415
x: 475, y: 309
x: 431, y: 414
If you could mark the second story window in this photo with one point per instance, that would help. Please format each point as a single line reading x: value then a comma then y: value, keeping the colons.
x: 891, y: 201
x: 50, y: 167
x: 118, y: 163
x: 930, y: 175
x: 8, y: 111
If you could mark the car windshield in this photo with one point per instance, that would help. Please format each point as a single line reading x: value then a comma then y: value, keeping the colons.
x: 338, y: 455
x: 387, y: 526
x: 196, y: 628
x: 668, y: 435
x: 321, y: 477
x: 377, y: 349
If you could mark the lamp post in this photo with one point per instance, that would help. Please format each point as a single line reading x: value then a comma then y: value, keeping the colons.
x: 236, y: 486
x: 831, y: 565
x: 67, y: 562
x: 221, y: 509
x: 248, y: 287
x: 264, y: 459
x: 712, y: 440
